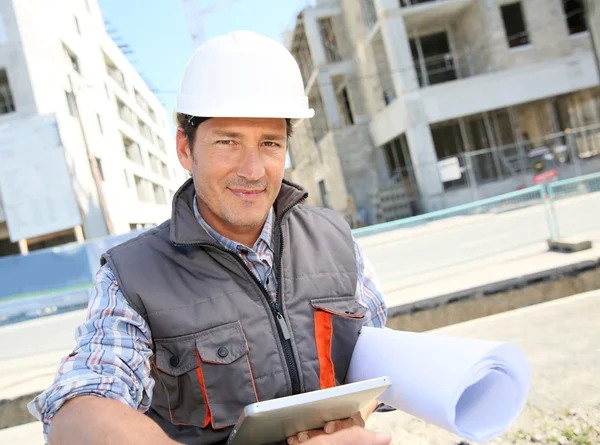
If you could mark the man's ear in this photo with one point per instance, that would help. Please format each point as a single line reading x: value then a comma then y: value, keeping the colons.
x: 183, y: 150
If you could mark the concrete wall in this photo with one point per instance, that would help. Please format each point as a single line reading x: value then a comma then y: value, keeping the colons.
x: 312, y: 163
x: 462, y: 30
x: 359, y: 165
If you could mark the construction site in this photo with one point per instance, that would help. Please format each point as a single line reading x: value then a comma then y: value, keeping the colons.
x: 425, y: 105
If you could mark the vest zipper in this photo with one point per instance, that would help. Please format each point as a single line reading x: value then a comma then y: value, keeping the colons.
x: 287, y: 345
x: 282, y: 326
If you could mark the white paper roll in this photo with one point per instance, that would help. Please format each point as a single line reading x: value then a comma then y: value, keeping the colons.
x: 474, y: 388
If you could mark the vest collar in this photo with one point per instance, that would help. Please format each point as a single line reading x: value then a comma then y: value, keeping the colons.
x: 185, y: 228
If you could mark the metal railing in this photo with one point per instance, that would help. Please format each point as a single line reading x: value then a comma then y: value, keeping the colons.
x: 579, y: 214
x: 510, y: 201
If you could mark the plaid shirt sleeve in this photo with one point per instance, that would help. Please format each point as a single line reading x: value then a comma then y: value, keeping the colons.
x: 111, y: 358
x: 368, y: 290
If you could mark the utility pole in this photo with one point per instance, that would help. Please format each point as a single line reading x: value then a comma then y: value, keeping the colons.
x: 592, y: 17
x: 93, y: 164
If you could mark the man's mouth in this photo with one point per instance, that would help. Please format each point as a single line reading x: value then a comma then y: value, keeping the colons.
x: 247, y: 194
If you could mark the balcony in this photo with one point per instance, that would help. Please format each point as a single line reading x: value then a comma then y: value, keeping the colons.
x: 419, y: 14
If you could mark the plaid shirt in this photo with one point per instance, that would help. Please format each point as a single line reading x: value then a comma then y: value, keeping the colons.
x: 113, y: 347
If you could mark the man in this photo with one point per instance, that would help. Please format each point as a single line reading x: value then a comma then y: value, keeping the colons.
x: 243, y: 295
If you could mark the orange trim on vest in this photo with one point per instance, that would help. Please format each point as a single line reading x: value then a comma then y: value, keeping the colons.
x: 248, y: 359
x: 323, y: 334
x: 208, y: 416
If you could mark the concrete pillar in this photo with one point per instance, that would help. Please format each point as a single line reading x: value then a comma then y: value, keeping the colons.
x: 23, y: 246
x: 592, y: 14
x: 422, y: 153
x: 418, y: 133
x: 79, y: 236
x: 329, y: 100
x: 397, y: 48
x: 313, y: 36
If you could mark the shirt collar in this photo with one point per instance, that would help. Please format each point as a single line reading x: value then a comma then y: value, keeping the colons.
x: 266, y: 234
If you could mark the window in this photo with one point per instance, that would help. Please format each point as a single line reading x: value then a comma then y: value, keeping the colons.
x: 324, y: 194
x: 145, y: 130
x: 132, y: 150
x: 73, y: 59
x: 344, y: 106
x: 77, y: 25
x: 329, y: 40
x: 100, y: 128
x: 125, y: 113
x: 153, y: 116
x: 154, y: 163
x: 369, y: 13
x: 514, y: 25
x: 7, y: 104
x: 160, y: 142
x: 114, y: 72
x: 100, y: 169
x: 165, y: 170
x: 159, y: 194
x: 144, y: 189
x: 433, y: 59
x: 575, y: 15
x: 143, y: 104
x: 71, y: 103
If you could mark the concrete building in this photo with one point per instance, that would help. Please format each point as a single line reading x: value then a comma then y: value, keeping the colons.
x: 426, y: 104
x: 57, y: 60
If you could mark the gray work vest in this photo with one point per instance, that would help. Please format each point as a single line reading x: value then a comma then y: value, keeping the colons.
x: 219, y: 341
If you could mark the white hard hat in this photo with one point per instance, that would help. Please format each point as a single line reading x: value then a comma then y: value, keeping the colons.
x: 243, y: 74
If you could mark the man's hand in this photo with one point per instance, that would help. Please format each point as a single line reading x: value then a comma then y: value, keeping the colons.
x: 357, y: 420
x: 351, y: 436
x: 331, y: 427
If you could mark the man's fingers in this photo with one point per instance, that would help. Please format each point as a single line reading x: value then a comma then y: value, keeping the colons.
x: 338, y: 425
x: 304, y: 436
x: 351, y: 436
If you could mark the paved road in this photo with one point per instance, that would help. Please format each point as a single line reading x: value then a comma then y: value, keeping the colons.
x: 407, y: 252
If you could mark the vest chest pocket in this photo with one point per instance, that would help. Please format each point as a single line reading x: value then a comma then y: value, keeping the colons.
x: 226, y: 372
x: 178, y: 394
x: 204, y: 378
x: 338, y: 322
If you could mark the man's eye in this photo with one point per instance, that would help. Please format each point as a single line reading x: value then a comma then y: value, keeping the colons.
x: 271, y: 144
x: 226, y: 142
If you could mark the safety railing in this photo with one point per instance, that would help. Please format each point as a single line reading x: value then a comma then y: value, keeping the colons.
x: 510, y: 201
x: 581, y: 212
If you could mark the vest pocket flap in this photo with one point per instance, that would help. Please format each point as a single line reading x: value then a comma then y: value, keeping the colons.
x: 348, y: 307
x: 222, y: 345
x: 176, y: 356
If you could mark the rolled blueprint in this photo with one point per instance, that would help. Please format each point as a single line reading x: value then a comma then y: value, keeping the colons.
x: 474, y: 388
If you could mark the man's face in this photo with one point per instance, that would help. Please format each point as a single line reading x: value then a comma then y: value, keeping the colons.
x: 237, y: 165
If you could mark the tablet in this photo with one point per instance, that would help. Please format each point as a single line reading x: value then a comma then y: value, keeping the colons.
x: 275, y: 420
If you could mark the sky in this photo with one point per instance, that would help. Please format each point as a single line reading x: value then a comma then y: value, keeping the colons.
x: 158, y: 31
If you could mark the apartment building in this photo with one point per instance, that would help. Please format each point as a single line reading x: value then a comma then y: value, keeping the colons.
x: 103, y: 159
x: 426, y: 104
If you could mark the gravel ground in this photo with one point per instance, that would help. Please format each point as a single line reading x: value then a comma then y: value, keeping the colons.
x: 562, y: 342
x: 562, y: 427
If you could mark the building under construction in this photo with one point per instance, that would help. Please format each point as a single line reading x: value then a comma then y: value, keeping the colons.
x: 426, y: 104
x: 85, y: 146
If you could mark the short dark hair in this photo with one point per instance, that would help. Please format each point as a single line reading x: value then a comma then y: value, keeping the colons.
x: 189, y: 125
